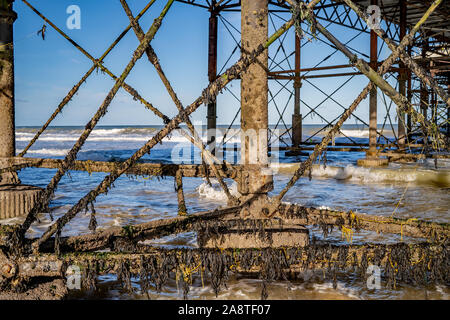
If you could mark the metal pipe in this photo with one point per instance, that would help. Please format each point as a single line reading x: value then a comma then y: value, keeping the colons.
x: 424, y: 98
x: 297, y: 117
x: 409, y: 97
x: 212, y: 75
x: 373, y: 93
x: 402, y: 78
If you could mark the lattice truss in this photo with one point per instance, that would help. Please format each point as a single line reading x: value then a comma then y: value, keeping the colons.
x: 423, y: 262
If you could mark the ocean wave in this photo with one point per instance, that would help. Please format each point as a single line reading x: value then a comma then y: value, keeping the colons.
x: 68, y: 138
x: 439, y: 178
x: 215, y: 192
x: 118, y: 134
x: 51, y: 152
x: 355, y: 133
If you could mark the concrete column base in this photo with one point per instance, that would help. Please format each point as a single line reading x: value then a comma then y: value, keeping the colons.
x: 373, y: 162
x: 17, y: 200
x: 285, y: 236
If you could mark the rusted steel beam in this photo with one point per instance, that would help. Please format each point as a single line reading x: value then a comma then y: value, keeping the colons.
x: 422, y: 256
x: 212, y: 75
x: 276, y: 201
x: 299, y: 70
x: 111, y: 237
x: 402, y: 77
x: 342, y: 149
x: 209, y: 93
x: 289, y: 214
x: 297, y: 117
x: 373, y: 103
x: 448, y: 115
x: 182, y: 210
x: 399, y: 99
x: 405, y: 227
x: 98, y: 63
x: 101, y: 111
x: 399, y: 261
x: 196, y: 140
x: 409, y: 96
x: 424, y: 96
x: 406, y: 58
x: 350, y: 144
x: 75, y: 88
x: 329, y: 75
x: 146, y: 169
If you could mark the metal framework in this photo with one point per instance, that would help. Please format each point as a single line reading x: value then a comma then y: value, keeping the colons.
x: 423, y: 77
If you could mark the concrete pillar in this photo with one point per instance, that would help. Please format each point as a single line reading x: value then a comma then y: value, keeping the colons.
x: 256, y: 179
x: 297, y: 117
x: 402, y: 77
x: 15, y: 199
x: 212, y: 74
x: 7, y: 122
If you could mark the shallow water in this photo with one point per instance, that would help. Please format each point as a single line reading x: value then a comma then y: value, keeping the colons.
x: 419, y: 190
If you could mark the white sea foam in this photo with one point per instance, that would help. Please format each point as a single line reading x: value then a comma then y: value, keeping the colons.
x: 356, y: 133
x: 67, y: 138
x: 370, y: 175
x: 215, y: 191
x: 51, y: 152
x: 363, y: 174
x: 120, y: 134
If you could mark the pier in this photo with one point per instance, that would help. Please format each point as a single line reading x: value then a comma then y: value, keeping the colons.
x: 257, y: 232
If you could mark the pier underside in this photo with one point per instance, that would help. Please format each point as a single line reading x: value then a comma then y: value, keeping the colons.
x: 256, y: 233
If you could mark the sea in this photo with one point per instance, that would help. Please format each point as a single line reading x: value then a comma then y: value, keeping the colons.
x: 413, y: 190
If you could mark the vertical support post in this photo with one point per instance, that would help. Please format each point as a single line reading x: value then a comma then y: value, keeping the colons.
x: 372, y: 159
x: 434, y: 98
x: 433, y: 103
x: 409, y: 97
x: 448, y: 115
x: 256, y: 178
x: 402, y: 77
x: 373, y: 107
x: 7, y: 113
x: 182, y: 211
x: 424, y: 98
x: 297, y: 117
x: 212, y: 75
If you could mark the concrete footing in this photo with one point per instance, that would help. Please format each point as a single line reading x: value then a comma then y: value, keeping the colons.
x: 285, y: 236
x: 17, y: 200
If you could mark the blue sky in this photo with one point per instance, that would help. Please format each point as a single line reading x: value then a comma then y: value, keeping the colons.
x: 47, y: 70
